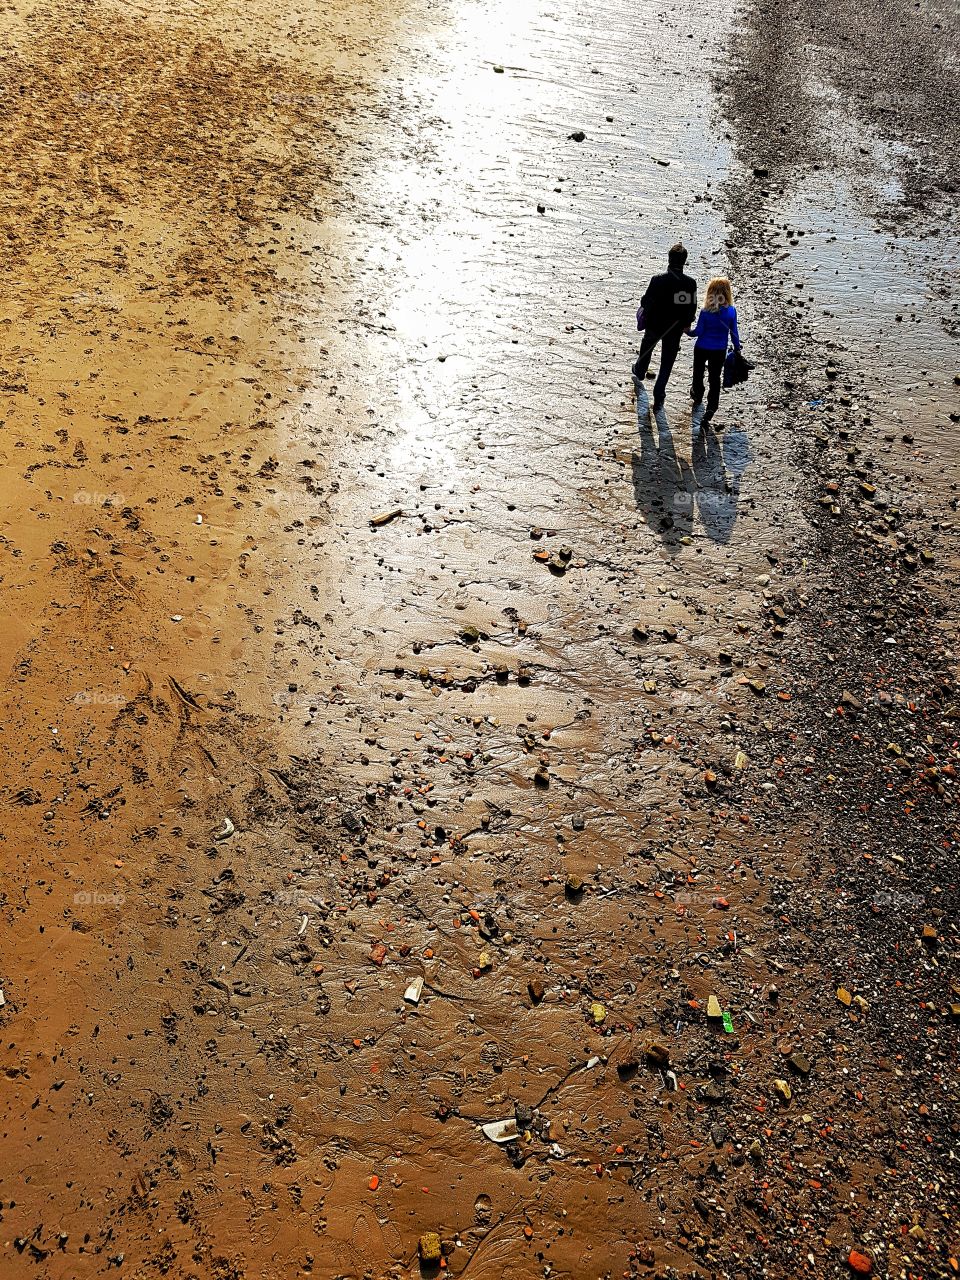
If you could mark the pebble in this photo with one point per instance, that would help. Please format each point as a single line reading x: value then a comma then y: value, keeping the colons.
x: 428, y: 1247
x: 658, y: 1055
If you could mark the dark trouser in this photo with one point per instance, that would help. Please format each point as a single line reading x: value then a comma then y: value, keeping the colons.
x: 669, y: 346
x: 712, y: 361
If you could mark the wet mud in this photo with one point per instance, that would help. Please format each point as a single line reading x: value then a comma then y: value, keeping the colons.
x: 456, y: 819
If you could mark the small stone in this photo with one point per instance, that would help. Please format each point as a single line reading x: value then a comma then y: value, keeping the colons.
x: 658, y: 1055
x: 713, y: 1007
x: 800, y: 1063
x: 535, y: 990
x: 930, y: 936
x: 573, y: 887
x: 844, y: 996
x: 598, y: 1012
x: 577, y: 136
x: 782, y: 1090
x: 859, y: 1262
x: 428, y: 1247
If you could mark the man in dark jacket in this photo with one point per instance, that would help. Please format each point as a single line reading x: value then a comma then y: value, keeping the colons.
x: 669, y: 306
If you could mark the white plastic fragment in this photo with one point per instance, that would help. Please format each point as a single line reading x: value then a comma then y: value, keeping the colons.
x: 414, y: 991
x: 501, y: 1130
x: 226, y: 831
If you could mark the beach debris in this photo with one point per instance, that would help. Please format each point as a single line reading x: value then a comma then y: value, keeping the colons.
x: 658, y: 1055
x: 501, y: 1131
x: 384, y: 517
x: 429, y: 1248
x: 782, y: 1089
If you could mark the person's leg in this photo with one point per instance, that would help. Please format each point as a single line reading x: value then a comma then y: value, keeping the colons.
x: 642, y: 363
x: 715, y: 361
x: 699, y: 363
x: 669, y: 348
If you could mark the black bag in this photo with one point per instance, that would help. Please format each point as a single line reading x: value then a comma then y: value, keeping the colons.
x: 736, y: 369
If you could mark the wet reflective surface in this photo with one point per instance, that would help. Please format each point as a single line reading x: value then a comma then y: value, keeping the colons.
x: 350, y: 527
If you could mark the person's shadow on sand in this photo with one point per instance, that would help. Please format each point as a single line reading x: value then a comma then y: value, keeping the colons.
x: 663, y: 484
x: 718, y: 465
x: 668, y: 491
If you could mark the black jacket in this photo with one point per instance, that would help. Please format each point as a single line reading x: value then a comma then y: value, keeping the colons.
x: 670, y: 302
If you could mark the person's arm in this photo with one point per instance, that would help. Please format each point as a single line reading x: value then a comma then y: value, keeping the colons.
x: 734, y: 331
x: 645, y: 300
x: 692, y: 308
x: 695, y: 333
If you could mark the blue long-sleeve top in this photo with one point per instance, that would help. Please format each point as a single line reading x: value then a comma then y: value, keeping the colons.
x: 715, y: 328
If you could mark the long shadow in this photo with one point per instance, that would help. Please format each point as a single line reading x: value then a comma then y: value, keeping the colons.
x: 718, y: 465
x: 663, y: 484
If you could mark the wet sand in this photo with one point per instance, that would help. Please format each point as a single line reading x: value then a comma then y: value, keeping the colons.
x: 361, y: 626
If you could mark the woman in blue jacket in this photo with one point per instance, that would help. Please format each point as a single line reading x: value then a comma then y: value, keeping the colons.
x: 716, y: 327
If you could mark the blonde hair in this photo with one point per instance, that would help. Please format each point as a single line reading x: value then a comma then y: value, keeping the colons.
x: 719, y: 294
